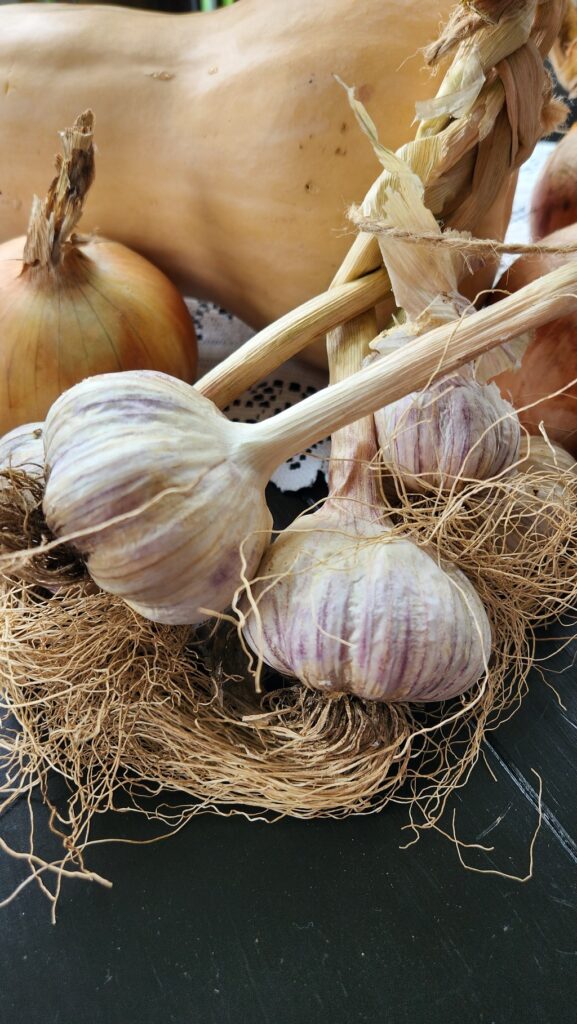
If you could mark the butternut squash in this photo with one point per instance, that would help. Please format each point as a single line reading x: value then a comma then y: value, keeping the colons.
x: 227, y: 154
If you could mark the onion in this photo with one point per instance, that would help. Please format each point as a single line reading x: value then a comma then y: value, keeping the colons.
x: 554, y: 199
x: 73, y: 307
x: 549, y: 364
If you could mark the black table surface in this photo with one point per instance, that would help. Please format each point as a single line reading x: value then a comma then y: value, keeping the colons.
x: 233, y: 921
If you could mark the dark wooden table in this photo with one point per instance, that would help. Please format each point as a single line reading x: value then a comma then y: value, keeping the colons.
x: 232, y: 922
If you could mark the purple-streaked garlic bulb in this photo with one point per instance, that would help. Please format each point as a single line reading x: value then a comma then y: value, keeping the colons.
x: 459, y: 427
x: 23, y: 448
x: 452, y: 432
x: 345, y: 605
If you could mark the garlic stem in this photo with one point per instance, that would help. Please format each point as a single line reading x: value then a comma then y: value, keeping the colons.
x: 487, y: 45
x: 429, y: 357
x: 293, y: 332
x: 354, y: 446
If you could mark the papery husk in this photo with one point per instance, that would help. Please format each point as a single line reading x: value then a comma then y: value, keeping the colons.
x: 122, y: 708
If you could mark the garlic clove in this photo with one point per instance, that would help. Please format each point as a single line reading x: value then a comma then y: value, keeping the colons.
x: 131, y: 476
x: 455, y: 430
x: 370, y: 614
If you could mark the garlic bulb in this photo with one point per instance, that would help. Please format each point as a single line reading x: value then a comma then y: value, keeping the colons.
x: 23, y: 448
x: 535, y: 505
x: 456, y: 430
x: 122, y: 442
x: 160, y: 491
x: 536, y: 452
x: 347, y: 606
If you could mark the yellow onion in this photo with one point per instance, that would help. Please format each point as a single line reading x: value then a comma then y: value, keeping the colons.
x: 72, y: 307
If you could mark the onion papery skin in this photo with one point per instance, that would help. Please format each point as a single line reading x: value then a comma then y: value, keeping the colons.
x: 356, y: 609
x: 101, y: 308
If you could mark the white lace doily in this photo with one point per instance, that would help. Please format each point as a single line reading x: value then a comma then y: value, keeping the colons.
x: 219, y: 333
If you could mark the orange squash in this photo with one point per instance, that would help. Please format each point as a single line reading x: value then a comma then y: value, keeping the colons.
x: 227, y: 153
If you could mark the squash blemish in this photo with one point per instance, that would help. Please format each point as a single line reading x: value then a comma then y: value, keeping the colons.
x: 161, y: 76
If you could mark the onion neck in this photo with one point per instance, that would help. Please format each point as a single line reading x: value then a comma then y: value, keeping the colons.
x: 53, y: 219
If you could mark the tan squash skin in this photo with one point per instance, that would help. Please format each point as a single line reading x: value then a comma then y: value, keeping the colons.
x: 227, y: 154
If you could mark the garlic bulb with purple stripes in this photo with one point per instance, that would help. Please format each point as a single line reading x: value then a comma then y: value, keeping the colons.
x: 345, y: 604
x: 452, y: 432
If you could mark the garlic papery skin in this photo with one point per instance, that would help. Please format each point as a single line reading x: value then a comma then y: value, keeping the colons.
x: 350, y: 607
x: 455, y: 431
x: 132, y: 448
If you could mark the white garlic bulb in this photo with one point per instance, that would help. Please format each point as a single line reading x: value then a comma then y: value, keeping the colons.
x: 147, y: 454
x: 455, y: 430
x: 23, y: 448
x: 348, y: 607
